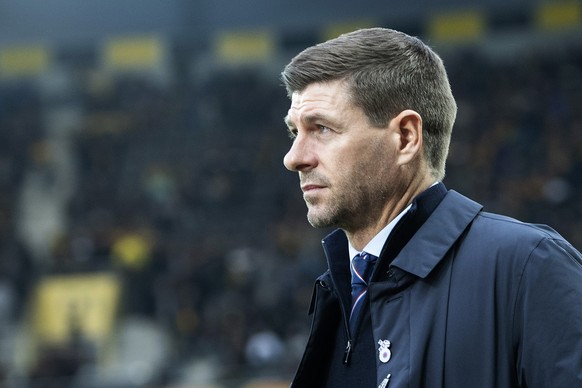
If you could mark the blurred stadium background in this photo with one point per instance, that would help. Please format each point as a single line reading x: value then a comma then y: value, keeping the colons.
x: 149, y: 233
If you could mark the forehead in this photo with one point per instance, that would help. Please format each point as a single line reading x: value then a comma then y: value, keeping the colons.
x: 318, y: 99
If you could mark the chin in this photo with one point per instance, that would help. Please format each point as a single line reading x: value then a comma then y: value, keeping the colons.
x: 320, y: 220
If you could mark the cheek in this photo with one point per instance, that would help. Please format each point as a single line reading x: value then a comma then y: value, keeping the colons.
x: 344, y: 165
x: 367, y: 160
x: 379, y: 168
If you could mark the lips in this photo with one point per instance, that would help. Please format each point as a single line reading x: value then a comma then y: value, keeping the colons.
x: 310, y: 187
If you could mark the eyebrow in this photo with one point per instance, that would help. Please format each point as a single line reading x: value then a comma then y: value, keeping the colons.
x: 308, y: 119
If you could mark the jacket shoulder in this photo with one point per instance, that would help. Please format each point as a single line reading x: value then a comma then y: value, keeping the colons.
x: 503, y: 228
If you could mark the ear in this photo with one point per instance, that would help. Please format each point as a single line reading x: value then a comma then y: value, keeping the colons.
x: 408, y: 127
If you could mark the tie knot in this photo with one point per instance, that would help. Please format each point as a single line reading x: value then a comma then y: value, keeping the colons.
x: 362, y: 267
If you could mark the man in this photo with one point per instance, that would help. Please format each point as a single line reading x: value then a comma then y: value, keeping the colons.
x: 457, y: 297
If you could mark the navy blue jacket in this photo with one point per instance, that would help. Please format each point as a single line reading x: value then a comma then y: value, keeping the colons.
x: 473, y: 299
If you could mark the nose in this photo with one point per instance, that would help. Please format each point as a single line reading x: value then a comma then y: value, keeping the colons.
x: 300, y: 157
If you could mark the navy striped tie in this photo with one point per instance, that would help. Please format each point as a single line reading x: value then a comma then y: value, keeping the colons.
x: 362, y: 267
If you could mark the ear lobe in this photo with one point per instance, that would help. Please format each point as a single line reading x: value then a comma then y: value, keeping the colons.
x: 410, y: 132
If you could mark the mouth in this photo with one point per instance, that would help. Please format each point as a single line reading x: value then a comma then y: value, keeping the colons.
x: 311, y: 187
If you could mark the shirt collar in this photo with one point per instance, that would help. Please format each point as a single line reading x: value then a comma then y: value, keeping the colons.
x: 374, y: 247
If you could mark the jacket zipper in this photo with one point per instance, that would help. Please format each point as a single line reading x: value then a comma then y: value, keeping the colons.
x: 348, y: 351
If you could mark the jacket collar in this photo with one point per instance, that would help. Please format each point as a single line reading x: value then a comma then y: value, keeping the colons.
x: 437, y: 235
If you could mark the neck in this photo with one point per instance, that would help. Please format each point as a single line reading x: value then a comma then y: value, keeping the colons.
x: 360, y: 237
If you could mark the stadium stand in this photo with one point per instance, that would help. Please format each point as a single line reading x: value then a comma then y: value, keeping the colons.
x: 167, y: 183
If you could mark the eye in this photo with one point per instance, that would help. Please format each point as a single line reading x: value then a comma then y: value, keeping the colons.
x: 323, y: 129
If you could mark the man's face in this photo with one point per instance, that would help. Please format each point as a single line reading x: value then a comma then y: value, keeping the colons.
x: 346, y: 166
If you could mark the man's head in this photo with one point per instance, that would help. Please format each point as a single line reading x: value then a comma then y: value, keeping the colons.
x: 386, y: 72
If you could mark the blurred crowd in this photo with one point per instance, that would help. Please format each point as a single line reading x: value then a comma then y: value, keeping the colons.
x: 178, y: 188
